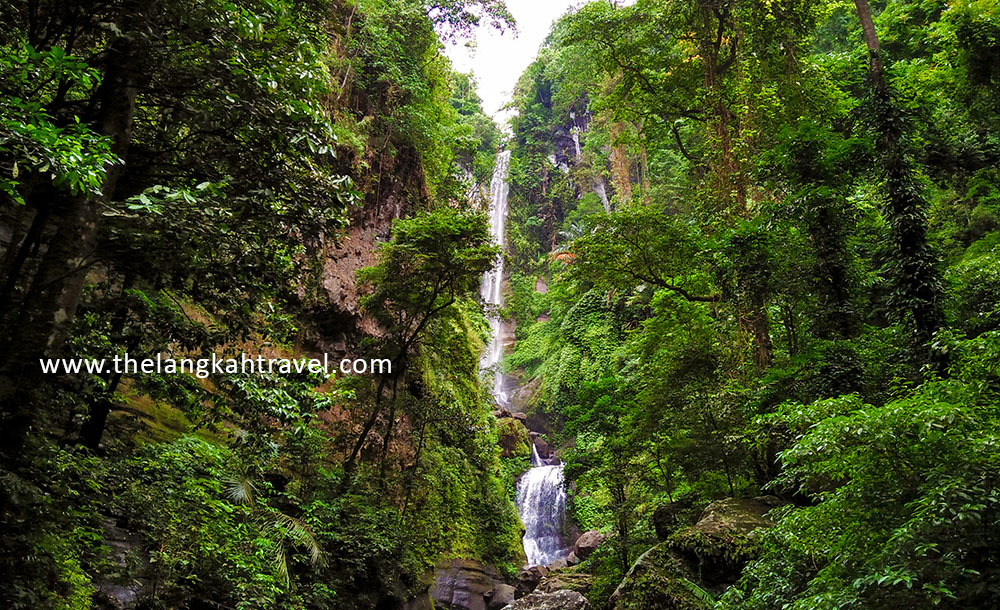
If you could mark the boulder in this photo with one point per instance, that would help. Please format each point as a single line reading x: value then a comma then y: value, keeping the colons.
x: 568, y: 581
x: 572, y: 559
x: 501, y: 596
x: 736, y: 516
x: 521, y: 416
x: 539, y: 422
x: 543, y: 447
x: 512, y: 437
x: 528, y: 578
x: 668, y: 517
x: 587, y: 543
x: 559, y: 600
x: 463, y: 584
x: 558, y: 564
x: 722, y: 541
x: 659, y: 580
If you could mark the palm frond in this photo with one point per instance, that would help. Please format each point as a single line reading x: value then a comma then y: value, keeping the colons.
x: 240, y: 489
x: 300, y: 534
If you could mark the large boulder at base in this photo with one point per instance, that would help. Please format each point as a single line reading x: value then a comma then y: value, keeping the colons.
x: 723, y: 540
x: 463, y: 584
x: 587, y: 543
x: 501, y: 596
x: 658, y: 580
x: 565, y: 580
x: 560, y: 600
x: 512, y: 437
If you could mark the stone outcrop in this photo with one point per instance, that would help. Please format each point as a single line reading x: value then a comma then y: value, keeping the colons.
x: 658, y: 580
x: 565, y: 580
x: 684, y: 572
x: 560, y: 600
x: 464, y: 584
x: 512, y: 437
x: 722, y: 541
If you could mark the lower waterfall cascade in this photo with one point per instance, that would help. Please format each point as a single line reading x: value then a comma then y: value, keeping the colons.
x: 541, y: 502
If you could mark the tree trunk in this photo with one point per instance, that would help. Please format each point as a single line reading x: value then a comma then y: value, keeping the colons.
x: 39, y: 330
x: 918, y: 290
x: 875, y: 69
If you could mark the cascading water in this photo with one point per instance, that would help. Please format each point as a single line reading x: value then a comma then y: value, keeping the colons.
x: 541, y: 496
x: 541, y: 502
x: 492, y: 287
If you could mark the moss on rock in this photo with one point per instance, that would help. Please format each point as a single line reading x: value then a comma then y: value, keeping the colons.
x: 659, y: 580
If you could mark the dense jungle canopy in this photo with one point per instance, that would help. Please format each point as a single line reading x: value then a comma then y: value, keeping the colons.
x: 752, y: 305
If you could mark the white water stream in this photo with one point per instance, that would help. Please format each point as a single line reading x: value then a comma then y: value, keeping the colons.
x: 541, y: 494
x: 492, y: 287
x: 541, y: 502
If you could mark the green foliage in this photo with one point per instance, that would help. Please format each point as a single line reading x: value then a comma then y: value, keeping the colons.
x: 214, y: 198
x: 929, y: 460
x: 776, y: 243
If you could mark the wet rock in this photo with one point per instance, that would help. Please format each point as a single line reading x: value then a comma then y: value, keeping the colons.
x: 524, y: 395
x: 521, y: 416
x: 463, y: 584
x: 543, y: 447
x: 587, y: 543
x: 501, y: 596
x: 528, y: 578
x: 558, y: 564
x: 572, y: 559
x: 127, y: 583
x: 659, y: 580
x: 559, y: 600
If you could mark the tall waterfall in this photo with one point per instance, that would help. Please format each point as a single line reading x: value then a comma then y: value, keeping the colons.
x: 492, y: 288
x: 541, y: 494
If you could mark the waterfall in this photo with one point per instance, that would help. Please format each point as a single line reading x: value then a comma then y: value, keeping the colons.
x: 492, y: 287
x: 541, y: 494
x: 541, y: 502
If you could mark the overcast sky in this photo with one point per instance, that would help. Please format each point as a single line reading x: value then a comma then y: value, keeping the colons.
x: 497, y: 60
